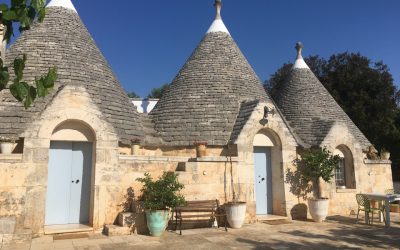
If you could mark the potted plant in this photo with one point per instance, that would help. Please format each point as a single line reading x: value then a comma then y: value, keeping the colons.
x: 385, y: 154
x: 159, y: 197
x: 135, y: 146
x: 6, y: 145
x: 235, y: 210
x: 316, y: 165
x: 201, y: 148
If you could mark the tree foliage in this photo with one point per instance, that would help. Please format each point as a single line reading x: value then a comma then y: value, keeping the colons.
x: 157, y: 93
x: 132, y: 94
x: 163, y: 193
x: 364, y: 89
x: 24, y: 13
x: 316, y: 164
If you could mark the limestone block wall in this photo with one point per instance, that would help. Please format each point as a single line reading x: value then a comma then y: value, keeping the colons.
x: 23, y: 185
x: 204, y: 178
x: 283, y: 153
x: 370, y: 176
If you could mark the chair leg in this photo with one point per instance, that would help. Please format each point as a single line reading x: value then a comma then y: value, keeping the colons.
x: 358, y: 213
x: 372, y: 217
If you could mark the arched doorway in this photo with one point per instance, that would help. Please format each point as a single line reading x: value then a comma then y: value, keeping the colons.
x: 69, y: 174
x: 267, y: 161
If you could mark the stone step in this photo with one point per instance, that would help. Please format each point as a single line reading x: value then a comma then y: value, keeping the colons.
x: 126, y: 219
x: 115, y: 230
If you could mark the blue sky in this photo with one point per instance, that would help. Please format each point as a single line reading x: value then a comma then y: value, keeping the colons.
x: 147, y: 42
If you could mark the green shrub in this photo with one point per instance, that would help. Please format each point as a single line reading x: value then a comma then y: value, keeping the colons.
x: 316, y: 164
x: 163, y: 193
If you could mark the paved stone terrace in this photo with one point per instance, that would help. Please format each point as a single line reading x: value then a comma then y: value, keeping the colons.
x: 336, y: 233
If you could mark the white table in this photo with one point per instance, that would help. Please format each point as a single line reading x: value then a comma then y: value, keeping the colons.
x: 387, y: 198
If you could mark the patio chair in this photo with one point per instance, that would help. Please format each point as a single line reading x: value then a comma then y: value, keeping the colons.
x: 395, y: 204
x: 364, y: 204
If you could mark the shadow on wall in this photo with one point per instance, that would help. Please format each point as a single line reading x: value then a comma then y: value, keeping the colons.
x: 132, y: 213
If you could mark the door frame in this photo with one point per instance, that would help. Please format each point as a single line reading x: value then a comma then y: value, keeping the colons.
x: 269, y: 180
x: 90, y: 179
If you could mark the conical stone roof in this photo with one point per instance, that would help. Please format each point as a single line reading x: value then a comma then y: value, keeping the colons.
x: 204, y: 99
x: 63, y: 41
x: 309, y: 108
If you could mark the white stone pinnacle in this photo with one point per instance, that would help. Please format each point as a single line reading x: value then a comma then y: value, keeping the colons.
x: 61, y: 3
x: 300, y: 63
x: 218, y: 25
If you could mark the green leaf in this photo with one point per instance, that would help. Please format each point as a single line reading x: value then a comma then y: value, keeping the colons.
x: 9, y: 30
x: 10, y: 15
x: 4, y: 78
x: 41, y: 90
x: 19, y: 90
x: 50, y: 79
x: 19, y: 66
x: 17, y: 3
x: 30, y: 97
x: 41, y: 14
x: 38, y: 4
x: 3, y: 7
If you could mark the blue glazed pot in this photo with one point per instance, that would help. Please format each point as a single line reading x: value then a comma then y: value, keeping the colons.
x: 157, y: 221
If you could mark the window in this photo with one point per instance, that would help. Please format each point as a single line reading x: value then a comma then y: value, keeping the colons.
x: 344, y: 173
x: 340, y: 173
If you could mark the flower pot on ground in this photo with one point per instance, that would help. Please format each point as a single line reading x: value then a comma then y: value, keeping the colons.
x: 318, y: 209
x: 157, y: 221
x: 159, y: 197
x: 235, y: 214
x: 201, y: 149
x: 316, y: 165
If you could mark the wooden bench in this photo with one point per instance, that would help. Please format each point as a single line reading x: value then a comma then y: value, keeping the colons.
x: 197, y: 209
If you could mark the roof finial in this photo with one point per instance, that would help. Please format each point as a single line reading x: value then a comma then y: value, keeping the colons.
x: 299, y: 63
x: 299, y: 48
x: 218, y: 6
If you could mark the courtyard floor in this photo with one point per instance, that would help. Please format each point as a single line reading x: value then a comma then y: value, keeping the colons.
x: 336, y: 233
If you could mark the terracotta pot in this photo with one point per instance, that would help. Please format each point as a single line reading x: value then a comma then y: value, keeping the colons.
x: 318, y: 209
x: 395, y: 208
x: 6, y: 147
x: 235, y: 214
x: 201, y: 150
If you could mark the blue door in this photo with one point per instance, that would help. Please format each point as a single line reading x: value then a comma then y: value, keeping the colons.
x: 68, y: 189
x: 263, y: 180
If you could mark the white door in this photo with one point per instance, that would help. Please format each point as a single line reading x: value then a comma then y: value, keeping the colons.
x: 68, y: 189
x: 263, y: 180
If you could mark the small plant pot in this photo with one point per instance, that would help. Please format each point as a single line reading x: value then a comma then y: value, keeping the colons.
x: 157, y: 221
x: 201, y: 150
x: 6, y: 147
x: 135, y: 149
x: 235, y: 214
x: 385, y: 155
x: 318, y: 209
x: 395, y: 208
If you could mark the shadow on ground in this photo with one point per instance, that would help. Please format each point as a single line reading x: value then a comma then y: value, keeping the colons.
x: 339, y: 233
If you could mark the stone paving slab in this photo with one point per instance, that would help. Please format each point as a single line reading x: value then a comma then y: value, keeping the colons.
x: 337, y: 233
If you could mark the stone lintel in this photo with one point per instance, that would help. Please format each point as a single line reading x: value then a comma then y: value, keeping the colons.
x: 366, y: 161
